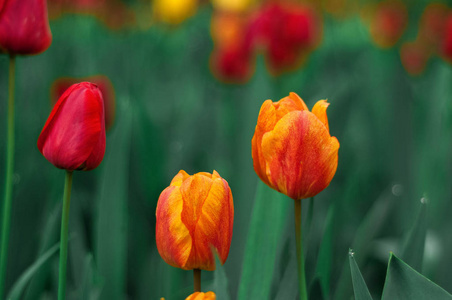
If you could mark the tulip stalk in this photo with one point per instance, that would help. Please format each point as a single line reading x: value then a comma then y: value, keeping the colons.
x: 300, y: 256
x: 64, y: 236
x: 197, y: 279
x: 6, y: 220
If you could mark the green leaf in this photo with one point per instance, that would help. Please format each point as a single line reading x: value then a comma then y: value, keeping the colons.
x: 288, y: 286
x: 220, y: 281
x: 20, y: 284
x: 413, y: 249
x: 368, y: 229
x: 111, y: 247
x: 324, y: 260
x: 403, y: 282
x: 265, y: 232
x: 359, y: 285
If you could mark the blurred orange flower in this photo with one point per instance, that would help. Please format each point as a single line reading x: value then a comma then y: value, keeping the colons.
x: 446, y: 47
x: 104, y: 84
x: 232, y: 58
x: 388, y: 21
x: 414, y: 56
x: 292, y: 149
x: 195, y: 215
x: 202, y: 296
x: 433, y: 25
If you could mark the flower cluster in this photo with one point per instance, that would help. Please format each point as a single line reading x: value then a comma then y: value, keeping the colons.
x: 285, y: 32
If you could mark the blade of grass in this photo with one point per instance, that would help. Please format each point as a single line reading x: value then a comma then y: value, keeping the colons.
x: 413, y: 249
x: 359, y: 285
x: 403, y: 282
x: 267, y: 223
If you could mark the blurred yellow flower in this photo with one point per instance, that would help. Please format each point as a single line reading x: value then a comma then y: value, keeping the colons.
x: 174, y: 11
x: 232, y: 5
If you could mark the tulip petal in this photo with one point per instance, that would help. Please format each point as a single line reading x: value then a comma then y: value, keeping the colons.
x: 319, y: 110
x: 174, y: 241
x: 301, y: 156
x: 73, y: 130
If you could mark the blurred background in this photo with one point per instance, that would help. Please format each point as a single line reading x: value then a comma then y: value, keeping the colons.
x: 183, y: 82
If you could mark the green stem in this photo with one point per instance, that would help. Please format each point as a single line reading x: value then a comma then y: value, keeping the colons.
x: 300, y: 256
x: 197, y: 279
x: 9, y: 176
x: 64, y: 236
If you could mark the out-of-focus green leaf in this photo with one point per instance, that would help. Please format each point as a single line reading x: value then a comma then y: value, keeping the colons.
x: 359, y: 285
x: 267, y: 223
x: 413, y: 249
x: 20, y: 284
x: 220, y: 281
x: 403, y: 282
x: 324, y: 260
x: 92, y: 284
x: 367, y: 230
x: 111, y: 228
x: 288, y: 286
x: 315, y: 290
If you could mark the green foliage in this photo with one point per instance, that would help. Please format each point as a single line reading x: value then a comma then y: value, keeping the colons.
x: 359, y: 285
x: 403, y: 282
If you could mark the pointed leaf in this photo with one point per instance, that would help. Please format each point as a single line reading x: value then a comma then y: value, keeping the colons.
x: 403, y: 282
x: 220, y: 281
x: 413, y: 250
x: 359, y: 285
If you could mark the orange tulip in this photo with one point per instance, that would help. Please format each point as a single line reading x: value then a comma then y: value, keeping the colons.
x: 202, y: 296
x: 195, y: 215
x: 292, y: 149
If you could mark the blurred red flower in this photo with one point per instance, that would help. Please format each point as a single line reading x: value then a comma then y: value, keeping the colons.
x: 446, y: 47
x: 388, y: 22
x: 287, y: 32
x: 432, y: 26
x: 104, y: 84
x: 414, y: 56
x: 24, y: 27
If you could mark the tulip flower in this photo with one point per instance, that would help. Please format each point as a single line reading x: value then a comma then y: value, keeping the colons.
x: 446, y: 47
x: 195, y: 216
x: 287, y: 32
x: 432, y: 26
x: 294, y: 154
x: 202, y: 296
x: 414, y: 56
x: 24, y: 27
x: 292, y: 149
x: 73, y: 137
x: 104, y: 84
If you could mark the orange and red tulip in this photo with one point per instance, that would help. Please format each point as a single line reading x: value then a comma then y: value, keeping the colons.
x: 195, y: 216
x: 202, y: 296
x: 292, y: 149
x: 414, y: 56
x: 105, y: 86
x: 73, y: 137
x: 24, y: 27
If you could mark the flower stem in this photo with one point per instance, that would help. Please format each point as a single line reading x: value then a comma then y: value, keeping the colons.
x: 300, y: 256
x: 9, y: 176
x: 64, y: 236
x: 197, y: 279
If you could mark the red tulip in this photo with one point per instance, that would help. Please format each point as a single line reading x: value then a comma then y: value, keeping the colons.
x: 24, y: 27
x: 446, y: 49
x: 73, y: 137
x: 104, y: 84
x: 432, y: 26
x: 414, y: 56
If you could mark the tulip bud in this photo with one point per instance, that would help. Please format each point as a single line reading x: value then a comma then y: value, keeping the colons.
x: 195, y: 215
x: 202, y: 296
x: 24, y: 27
x: 388, y: 23
x: 104, y: 84
x: 292, y: 149
x: 73, y: 137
